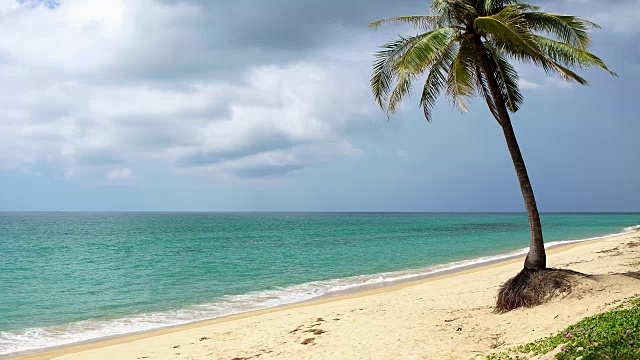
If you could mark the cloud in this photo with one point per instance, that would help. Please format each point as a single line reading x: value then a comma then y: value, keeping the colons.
x: 276, y: 109
x: 120, y: 174
x: 527, y: 85
x: 621, y: 19
x: 282, y: 118
x: 119, y: 85
x: 177, y: 42
x: 238, y: 89
x: 50, y: 4
x: 615, y: 16
x: 546, y: 83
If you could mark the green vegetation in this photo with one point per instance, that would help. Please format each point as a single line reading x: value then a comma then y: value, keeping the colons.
x: 611, y: 335
x: 466, y: 48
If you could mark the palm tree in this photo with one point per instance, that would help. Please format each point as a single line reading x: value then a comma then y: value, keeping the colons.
x: 464, y: 48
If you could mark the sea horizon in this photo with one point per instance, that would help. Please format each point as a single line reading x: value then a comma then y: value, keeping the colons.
x: 313, y: 212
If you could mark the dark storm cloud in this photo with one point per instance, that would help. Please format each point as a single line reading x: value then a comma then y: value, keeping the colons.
x: 261, y: 143
x: 218, y: 39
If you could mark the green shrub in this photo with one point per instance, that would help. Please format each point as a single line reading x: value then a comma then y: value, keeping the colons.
x: 611, y: 335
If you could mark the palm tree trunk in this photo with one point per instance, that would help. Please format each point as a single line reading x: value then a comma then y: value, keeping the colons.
x: 536, y: 258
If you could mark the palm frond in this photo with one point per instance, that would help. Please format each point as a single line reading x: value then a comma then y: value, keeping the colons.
x: 402, y: 88
x: 404, y: 59
x: 566, y: 28
x: 383, y: 74
x: 436, y: 79
x: 460, y: 79
x: 548, y: 65
x: 568, y: 74
x: 507, y: 78
x: 570, y: 56
x: 524, y: 7
x: 491, y: 7
x: 483, y: 88
x: 508, y: 26
x: 422, y: 53
x: 424, y: 23
x: 459, y: 12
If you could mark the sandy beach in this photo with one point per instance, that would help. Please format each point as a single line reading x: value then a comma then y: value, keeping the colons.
x: 444, y: 317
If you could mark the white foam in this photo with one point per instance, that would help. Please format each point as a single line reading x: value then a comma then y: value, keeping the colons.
x: 39, y: 338
x: 632, y: 228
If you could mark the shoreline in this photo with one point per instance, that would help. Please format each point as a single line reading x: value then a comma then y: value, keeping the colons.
x: 455, y: 269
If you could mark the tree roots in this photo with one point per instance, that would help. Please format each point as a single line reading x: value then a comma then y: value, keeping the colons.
x: 534, y: 287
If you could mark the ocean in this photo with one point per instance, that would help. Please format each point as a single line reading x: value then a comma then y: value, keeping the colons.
x: 71, y: 277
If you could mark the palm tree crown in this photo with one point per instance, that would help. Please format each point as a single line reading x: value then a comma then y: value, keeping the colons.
x: 460, y: 36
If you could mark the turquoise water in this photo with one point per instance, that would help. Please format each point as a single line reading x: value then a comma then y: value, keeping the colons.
x: 68, y: 277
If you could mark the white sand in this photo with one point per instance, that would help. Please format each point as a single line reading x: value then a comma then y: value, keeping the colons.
x: 447, y: 317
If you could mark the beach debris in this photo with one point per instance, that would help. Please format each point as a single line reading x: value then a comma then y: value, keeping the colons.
x: 308, y: 341
x: 319, y: 319
x: 263, y: 351
x: 607, y: 250
x: 204, y: 338
x: 177, y: 346
x: 336, y: 319
x: 496, y: 342
x: 459, y: 328
x: 296, y: 329
x: 316, y: 331
x: 447, y: 320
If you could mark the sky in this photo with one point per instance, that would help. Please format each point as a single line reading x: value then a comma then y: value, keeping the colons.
x: 250, y: 105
